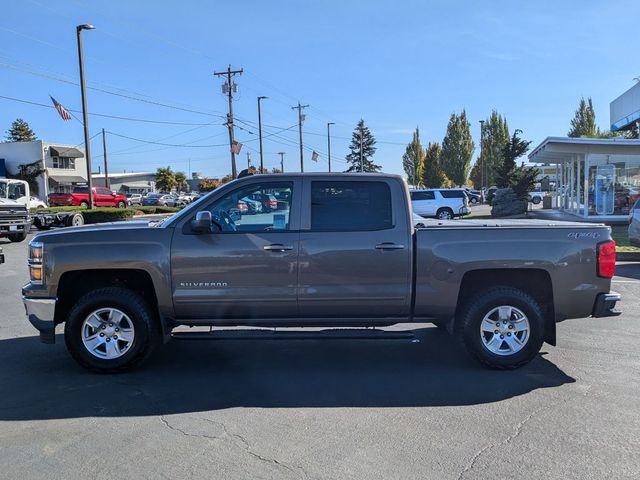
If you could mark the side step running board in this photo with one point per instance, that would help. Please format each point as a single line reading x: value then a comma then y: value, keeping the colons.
x: 328, y: 334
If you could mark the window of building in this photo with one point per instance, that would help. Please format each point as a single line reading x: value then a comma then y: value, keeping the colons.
x: 614, y: 184
x: 350, y: 206
x: 63, y: 162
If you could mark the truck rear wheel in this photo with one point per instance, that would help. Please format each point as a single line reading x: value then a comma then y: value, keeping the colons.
x: 18, y: 237
x: 503, y: 328
x: 111, y: 330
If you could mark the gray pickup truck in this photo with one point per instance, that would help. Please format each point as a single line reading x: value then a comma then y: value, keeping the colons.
x: 325, y: 250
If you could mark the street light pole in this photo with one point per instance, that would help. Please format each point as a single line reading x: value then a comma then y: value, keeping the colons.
x: 281, y: 161
x: 260, y: 133
x: 329, y: 142
x: 481, y: 154
x: 85, y: 119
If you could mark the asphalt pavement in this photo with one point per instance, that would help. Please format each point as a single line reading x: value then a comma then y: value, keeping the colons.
x: 389, y: 409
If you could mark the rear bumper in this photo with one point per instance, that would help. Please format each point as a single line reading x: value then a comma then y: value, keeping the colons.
x: 605, y: 305
x: 463, y: 211
x: 40, y: 312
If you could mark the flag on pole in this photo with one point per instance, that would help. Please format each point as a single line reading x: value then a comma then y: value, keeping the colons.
x: 314, y: 156
x: 61, y: 110
x: 236, y: 147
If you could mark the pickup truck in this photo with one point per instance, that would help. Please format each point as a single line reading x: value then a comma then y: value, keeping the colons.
x: 341, y: 251
x: 15, y: 221
x: 102, y: 197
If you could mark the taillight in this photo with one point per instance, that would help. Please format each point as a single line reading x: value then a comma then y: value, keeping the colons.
x: 607, y: 259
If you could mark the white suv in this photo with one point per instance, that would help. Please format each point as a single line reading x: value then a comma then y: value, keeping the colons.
x: 444, y: 204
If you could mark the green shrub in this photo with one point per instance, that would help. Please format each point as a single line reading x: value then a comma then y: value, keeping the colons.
x: 102, y: 215
x: 57, y: 209
x: 146, y: 209
x: 168, y: 209
x: 150, y: 209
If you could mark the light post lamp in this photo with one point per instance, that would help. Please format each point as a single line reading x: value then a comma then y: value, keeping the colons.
x: 85, y: 119
x: 260, y: 132
x: 329, y: 142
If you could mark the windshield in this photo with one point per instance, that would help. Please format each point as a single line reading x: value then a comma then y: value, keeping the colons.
x: 3, y: 189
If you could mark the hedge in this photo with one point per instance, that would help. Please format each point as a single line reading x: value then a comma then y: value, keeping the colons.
x: 57, y: 209
x: 102, y: 215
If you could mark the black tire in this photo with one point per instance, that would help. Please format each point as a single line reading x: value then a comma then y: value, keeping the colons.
x: 147, y: 333
x: 536, y: 200
x: 473, y: 312
x: 444, y: 214
x: 121, y: 204
x: 74, y: 220
x: 84, y: 204
x: 17, y: 237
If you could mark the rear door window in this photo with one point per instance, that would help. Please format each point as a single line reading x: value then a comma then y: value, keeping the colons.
x: 452, y: 193
x: 344, y: 206
x: 422, y: 196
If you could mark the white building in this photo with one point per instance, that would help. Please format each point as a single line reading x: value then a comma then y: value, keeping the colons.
x: 64, y: 165
x: 132, y: 182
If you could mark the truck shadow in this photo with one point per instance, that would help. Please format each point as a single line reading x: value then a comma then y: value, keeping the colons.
x: 628, y: 270
x: 42, y: 381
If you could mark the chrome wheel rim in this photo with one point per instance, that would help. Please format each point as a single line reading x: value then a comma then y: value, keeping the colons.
x: 445, y: 215
x: 505, y: 330
x: 107, y: 333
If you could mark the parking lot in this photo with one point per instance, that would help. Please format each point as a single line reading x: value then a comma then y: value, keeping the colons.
x: 313, y: 409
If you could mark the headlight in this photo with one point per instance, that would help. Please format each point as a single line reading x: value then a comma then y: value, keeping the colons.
x: 36, y: 251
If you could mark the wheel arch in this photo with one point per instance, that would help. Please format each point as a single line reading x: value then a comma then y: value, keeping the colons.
x: 534, y: 281
x: 74, y: 284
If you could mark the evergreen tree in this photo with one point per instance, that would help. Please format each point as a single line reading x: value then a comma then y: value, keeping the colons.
x: 476, y: 175
x: 368, y: 150
x: 165, y: 179
x: 496, y: 136
x: 457, y: 149
x: 432, y: 174
x: 20, y: 132
x: 514, y: 149
x: 583, y: 123
x: 413, y: 160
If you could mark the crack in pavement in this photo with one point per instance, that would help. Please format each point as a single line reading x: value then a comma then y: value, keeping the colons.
x: 240, y: 441
x: 518, y: 428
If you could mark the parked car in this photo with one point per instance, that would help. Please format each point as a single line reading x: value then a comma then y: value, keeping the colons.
x: 255, y: 206
x: 134, y: 199
x: 268, y: 201
x: 474, y: 198
x: 161, y: 200
x: 1, y: 256
x: 347, y: 255
x: 102, y: 197
x: 634, y: 224
x: 444, y: 204
x: 536, y: 197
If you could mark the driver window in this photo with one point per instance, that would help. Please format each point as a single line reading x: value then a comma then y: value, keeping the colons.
x: 255, y: 208
x: 16, y: 191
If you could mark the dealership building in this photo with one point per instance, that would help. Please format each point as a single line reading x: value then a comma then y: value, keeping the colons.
x: 597, y: 178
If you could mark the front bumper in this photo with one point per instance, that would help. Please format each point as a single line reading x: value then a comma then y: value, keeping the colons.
x: 605, y: 305
x: 40, y: 312
x: 464, y: 211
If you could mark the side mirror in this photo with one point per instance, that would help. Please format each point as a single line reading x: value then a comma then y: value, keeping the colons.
x: 202, y: 222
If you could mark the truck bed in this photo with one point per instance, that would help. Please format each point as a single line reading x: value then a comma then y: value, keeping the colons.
x: 430, y: 223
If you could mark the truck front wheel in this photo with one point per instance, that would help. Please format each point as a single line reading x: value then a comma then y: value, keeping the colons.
x: 503, y: 327
x: 111, y: 330
x: 17, y: 237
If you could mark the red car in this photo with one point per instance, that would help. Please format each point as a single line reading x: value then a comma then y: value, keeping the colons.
x: 269, y: 202
x: 102, y: 197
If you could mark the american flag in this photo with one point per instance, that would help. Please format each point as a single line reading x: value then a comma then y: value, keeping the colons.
x: 314, y: 156
x: 236, y: 147
x: 61, y: 110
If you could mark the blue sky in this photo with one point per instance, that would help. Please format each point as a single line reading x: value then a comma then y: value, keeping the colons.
x: 397, y: 64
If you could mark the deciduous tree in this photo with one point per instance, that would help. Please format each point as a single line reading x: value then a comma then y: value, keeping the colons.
x: 413, y: 160
x: 432, y: 174
x: 583, y: 123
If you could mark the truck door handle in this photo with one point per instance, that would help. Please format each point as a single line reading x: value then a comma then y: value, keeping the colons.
x: 389, y: 246
x: 277, y: 247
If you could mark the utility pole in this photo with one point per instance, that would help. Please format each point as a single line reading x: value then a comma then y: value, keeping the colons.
x: 229, y: 87
x: 107, y: 183
x: 260, y: 133
x: 481, y: 154
x: 300, y: 120
x: 361, y: 161
x: 329, y: 143
x: 85, y: 117
x: 248, y: 160
x: 281, y: 161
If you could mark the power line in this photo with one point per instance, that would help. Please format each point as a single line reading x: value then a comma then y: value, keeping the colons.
x: 164, y: 144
